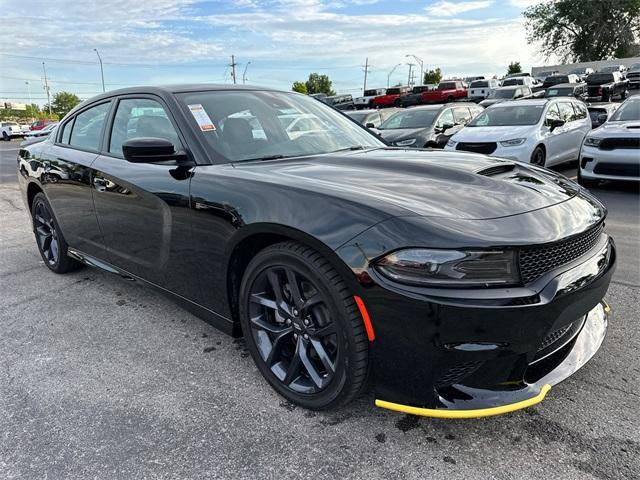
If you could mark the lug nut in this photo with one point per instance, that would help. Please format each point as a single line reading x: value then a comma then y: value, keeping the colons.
x: 306, y: 337
x: 295, y: 312
x: 307, y: 321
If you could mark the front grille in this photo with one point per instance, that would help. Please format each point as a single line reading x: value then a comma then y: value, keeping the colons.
x: 536, y: 261
x: 613, y: 143
x: 456, y: 373
x: 485, y: 147
x: 554, y: 336
x: 618, y: 169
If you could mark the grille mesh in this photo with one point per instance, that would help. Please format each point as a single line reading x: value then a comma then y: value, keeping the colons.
x: 487, y: 147
x: 456, y: 373
x: 536, y: 261
x: 554, y: 336
x: 621, y: 142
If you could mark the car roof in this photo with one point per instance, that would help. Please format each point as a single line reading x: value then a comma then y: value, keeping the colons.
x: 442, y: 106
x: 568, y: 85
x: 525, y: 101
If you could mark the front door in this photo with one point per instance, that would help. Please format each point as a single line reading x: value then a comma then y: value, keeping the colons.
x: 143, y: 208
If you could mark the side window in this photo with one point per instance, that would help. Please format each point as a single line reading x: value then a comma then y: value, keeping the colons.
x: 140, y: 117
x: 552, y: 114
x: 65, y: 135
x: 461, y: 115
x: 87, y: 128
x: 566, y: 112
x: 581, y: 111
x: 445, y: 117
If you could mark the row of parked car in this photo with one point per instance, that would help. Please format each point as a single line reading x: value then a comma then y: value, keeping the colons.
x: 9, y: 130
x: 543, y: 131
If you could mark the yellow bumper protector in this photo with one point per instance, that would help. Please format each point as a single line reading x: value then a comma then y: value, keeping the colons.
x: 477, y: 413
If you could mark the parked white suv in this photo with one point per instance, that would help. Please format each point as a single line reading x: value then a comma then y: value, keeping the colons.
x: 543, y: 132
x: 612, y: 151
x: 480, y: 89
x: 9, y: 130
x: 368, y: 96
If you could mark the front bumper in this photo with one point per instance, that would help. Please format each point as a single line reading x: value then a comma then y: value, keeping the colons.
x: 619, y: 164
x: 491, y: 351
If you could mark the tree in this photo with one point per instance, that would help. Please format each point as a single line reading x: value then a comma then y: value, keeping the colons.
x: 584, y: 30
x: 319, y: 84
x: 514, y: 67
x: 299, y: 87
x: 432, y: 76
x: 62, y: 103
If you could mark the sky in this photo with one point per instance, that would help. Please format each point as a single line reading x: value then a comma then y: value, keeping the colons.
x: 154, y: 42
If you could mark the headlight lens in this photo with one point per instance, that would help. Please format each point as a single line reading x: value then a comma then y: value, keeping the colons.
x: 592, y: 141
x: 406, y: 143
x: 450, y: 268
x: 451, y: 143
x: 513, y: 142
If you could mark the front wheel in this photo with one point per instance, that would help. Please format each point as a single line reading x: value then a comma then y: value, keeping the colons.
x: 538, y: 157
x: 5, y: 136
x: 397, y: 103
x: 302, y: 327
x: 623, y: 94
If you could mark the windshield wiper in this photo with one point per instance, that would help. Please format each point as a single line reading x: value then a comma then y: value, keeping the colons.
x: 266, y: 157
x: 353, y: 147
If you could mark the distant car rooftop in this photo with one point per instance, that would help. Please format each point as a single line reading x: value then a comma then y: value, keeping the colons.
x: 524, y: 101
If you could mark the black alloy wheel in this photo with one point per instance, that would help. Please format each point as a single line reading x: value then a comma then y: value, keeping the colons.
x: 5, y: 136
x: 302, y: 327
x: 538, y: 157
x: 51, y: 243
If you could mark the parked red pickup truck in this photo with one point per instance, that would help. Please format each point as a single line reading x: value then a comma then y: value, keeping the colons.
x: 447, y: 91
x: 391, y: 98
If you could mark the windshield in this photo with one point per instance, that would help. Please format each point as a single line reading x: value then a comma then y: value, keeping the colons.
x: 559, y: 92
x: 513, y: 81
x: 512, y: 115
x: 412, y: 118
x: 628, y: 111
x: 243, y: 125
x: 358, y: 116
x: 507, y: 93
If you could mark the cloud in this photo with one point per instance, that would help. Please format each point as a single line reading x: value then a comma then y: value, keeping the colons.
x: 449, y: 9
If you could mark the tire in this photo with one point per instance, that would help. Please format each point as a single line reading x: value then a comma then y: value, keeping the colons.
x: 49, y: 238
x: 5, y: 136
x: 539, y: 156
x: 283, y: 336
x: 623, y: 94
x: 397, y: 103
x: 449, y: 99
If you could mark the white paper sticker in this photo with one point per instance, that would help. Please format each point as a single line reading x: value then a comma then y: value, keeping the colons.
x: 201, y: 116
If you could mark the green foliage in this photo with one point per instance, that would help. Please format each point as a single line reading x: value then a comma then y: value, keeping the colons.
x: 514, y: 67
x: 585, y: 30
x: 432, y: 77
x: 319, y: 84
x: 62, y: 103
x: 299, y: 87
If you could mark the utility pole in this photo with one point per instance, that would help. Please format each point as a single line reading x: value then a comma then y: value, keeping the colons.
x: 244, y: 74
x: 233, y: 68
x: 101, y: 70
x: 366, y: 71
x: 46, y: 87
x: 421, y: 62
x: 29, y: 91
x: 409, y: 79
x: 391, y: 73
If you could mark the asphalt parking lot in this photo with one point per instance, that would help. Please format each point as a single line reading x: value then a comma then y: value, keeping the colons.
x: 101, y: 378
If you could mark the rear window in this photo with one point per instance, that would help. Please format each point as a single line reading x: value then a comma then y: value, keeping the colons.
x: 447, y: 86
x: 512, y: 81
x: 479, y: 84
x: 393, y: 91
x: 599, y: 78
x: 370, y: 93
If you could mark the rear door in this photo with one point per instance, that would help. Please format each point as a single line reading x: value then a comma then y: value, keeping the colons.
x: 143, y: 208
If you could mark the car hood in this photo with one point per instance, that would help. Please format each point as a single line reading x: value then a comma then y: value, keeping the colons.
x: 492, y: 101
x: 418, y: 182
x: 396, y: 134
x: 492, y: 134
x: 617, y: 129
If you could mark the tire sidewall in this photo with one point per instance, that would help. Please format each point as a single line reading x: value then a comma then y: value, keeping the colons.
x: 330, y: 395
x: 41, y: 199
x: 534, y: 155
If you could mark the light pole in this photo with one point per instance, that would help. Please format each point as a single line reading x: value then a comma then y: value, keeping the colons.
x: 29, y: 91
x: 421, y: 66
x: 244, y: 74
x: 391, y: 73
x: 409, y: 79
x: 101, y: 70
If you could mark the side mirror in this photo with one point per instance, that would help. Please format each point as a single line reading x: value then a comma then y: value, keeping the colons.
x: 602, y: 118
x: 150, y: 149
x: 370, y: 125
x: 555, y: 124
x: 446, y: 127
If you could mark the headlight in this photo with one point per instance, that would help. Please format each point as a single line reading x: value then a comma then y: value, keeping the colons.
x: 449, y: 268
x: 592, y: 141
x: 513, y: 142
x: 451, y: 143
x: 406, y: 143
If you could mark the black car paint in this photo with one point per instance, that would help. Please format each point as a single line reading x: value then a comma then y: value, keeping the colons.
x: 189, y: 229
x: 603, y: 87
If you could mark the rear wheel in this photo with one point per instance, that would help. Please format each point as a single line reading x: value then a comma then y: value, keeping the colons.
x: 624, y: 94
x: 302, y: 327
x: 5, y: 136
x: 397, y: 103
x: 538, y: 157
x: 51, y: 243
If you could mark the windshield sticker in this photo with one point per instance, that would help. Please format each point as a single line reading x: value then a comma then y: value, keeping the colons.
x: 201, y: 116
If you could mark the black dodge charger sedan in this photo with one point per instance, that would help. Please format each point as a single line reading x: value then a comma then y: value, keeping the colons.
x: 458, y: 285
